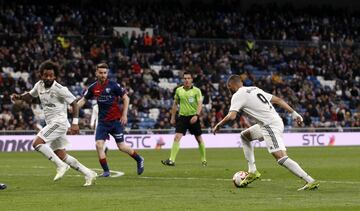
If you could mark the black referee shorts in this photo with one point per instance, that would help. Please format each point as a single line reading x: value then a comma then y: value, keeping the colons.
x: 183, y: 124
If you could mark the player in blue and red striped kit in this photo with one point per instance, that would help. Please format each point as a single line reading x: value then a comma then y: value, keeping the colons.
x: 111, y: 120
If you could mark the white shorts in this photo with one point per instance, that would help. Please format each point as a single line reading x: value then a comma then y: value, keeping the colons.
x: 54, y: 135
x: 272, y: 135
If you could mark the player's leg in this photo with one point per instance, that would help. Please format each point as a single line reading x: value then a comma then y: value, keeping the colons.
x: 132, y: 153
x: 180, y: 131
x: 118, y: 134
x: 202, y: 149
x: 47, y: 135
x: 59, y: 149
x: 174, y: 150
x: 296, y: 169
x: 248, y: 135
x: 276, y: 147
x: 102, y: 158
x: 90, y: 175
x: 101, y: 135
x: 195, y: 129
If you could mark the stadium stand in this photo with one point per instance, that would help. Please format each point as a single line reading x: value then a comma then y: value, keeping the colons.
x: 310, y: 59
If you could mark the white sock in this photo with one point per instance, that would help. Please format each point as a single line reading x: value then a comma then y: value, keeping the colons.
x: 49, y: 153
x: 75, y: 164
x: 249, y: 154
x: 295, y: 168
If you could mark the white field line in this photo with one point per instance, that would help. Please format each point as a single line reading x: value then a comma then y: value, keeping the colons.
x: 222, y: 179
x: 115, y: 174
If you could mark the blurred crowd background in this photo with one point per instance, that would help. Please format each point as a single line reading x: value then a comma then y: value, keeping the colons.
x: 308, y: 56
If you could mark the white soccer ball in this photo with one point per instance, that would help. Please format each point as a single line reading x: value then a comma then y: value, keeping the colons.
x: 238, y: 177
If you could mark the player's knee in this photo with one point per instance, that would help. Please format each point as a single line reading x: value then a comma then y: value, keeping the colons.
x: 99, y: 145
x: 282, y: 160
x: 280, y: 156
x: 199, y: 139
x: 178, y: 136
x: 36, y: 143
x: 123, y: 147
x: 61, y: 154
x: 245, y: 135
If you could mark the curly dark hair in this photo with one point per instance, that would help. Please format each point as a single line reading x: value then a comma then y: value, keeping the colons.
x: 49, y: 65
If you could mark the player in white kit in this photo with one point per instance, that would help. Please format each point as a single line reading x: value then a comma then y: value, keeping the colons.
x: 269, y: 128
x: 51, y: 140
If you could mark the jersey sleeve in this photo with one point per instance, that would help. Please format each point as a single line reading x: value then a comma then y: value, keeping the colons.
x: 176, y: 96
x: 67, y: 95
x: 237, y: 102
x: 198, y: 95
x: 34, y: 91
x: 88, y: 93
x: 119, y: 90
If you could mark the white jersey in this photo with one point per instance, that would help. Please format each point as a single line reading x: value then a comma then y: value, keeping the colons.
x: 54, y: 101
x: 256, y: 103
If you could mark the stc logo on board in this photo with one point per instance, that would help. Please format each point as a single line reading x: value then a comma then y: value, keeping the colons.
x: 318, y: 139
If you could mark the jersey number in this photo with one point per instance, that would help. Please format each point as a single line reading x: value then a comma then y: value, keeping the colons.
x: 263, y: 99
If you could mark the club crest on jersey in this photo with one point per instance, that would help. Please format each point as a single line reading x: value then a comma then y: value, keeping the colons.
x: 107, y: 90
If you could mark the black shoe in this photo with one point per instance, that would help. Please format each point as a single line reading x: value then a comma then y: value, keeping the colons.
x: 168, y: 162
x: 140, y: 166
x: 204, y: 163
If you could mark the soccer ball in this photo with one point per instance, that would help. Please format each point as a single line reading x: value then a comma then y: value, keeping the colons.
x: 2, y: 186
x: 238, y: 177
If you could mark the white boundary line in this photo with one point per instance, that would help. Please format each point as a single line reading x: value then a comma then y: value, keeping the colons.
x: 119, y: 174
x: 222, y: 179
x: 113, y: 173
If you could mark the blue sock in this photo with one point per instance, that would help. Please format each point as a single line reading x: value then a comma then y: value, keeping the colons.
x: 104, y: 164
x: 136, y: 157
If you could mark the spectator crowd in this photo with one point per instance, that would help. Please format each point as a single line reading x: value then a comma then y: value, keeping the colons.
x: 309, y: 59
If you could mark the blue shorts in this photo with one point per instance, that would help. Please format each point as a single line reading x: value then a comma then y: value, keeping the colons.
x: 113, y: 128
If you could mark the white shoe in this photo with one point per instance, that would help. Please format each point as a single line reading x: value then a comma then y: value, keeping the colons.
x: 60, y: 172
x: 90, y: 179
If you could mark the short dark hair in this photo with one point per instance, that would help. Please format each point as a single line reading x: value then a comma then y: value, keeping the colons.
x: 102, y: 65
x: 49, y: 65
x: 187, y: 73
x: 234, y: 78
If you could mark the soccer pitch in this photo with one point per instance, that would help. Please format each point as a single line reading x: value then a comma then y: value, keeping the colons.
x: 188, y: 186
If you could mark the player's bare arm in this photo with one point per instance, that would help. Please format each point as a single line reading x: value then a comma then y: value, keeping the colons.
x: 173, y: 111
x: 25, y: 97
x: 75, y: 123
x: 126, y: 101
x: 278, y: 101
x: 81, y: 102
x: 198, y: 112
x: 230, y: 116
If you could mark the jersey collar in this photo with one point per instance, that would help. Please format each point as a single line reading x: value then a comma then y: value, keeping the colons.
x: 192, y: 86
x: 104, y: 84
x: 48, y: 89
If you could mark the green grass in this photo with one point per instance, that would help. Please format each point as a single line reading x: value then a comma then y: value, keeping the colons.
x: 188, y: 186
